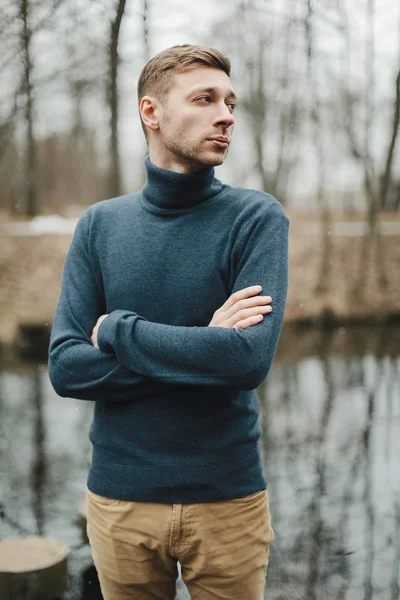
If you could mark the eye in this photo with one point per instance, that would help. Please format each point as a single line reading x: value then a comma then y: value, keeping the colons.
x: 232, y: 105
x: 204, y: 98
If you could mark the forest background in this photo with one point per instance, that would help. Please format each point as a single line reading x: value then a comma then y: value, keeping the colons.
x: 317, y: 126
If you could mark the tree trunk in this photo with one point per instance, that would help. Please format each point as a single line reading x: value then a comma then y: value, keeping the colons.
x: 373, y: 240
x: 146, y: 37
x: 258, y: 115
x: 31, y: 193
x: 324, y: 275
x: 386, y: 178
x: 115, y: 170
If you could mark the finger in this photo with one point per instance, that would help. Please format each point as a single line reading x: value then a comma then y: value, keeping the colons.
x: 248, y: 322
x: 240, y: 294
x: 247, y: 303
x: 246, y: 313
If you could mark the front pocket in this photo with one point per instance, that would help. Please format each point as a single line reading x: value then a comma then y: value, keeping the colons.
x: 98, y: 499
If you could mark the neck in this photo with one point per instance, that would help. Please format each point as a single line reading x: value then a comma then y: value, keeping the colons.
x: 166, y: 189
x: 166, y: 160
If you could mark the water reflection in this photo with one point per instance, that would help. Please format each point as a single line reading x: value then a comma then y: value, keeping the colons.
x: 330, y: 413
x: 38, y: 470
x: 331, y: 429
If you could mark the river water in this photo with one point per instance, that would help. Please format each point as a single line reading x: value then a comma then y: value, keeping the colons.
x: 330, y: 414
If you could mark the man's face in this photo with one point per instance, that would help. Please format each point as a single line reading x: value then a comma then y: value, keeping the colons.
x: 197, y: 110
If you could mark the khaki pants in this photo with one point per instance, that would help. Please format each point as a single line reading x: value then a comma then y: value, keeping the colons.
x: 222, y: 547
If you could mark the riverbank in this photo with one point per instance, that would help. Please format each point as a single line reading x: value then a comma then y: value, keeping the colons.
x: 31, y: 265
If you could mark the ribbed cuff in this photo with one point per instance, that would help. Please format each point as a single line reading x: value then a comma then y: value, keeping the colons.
x: 107, y: 332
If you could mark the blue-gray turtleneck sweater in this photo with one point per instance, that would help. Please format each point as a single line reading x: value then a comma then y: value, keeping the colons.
x: 176, y: 411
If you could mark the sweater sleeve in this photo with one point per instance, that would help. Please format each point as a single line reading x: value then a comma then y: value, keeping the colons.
x: 76, y: 368
x: 213, y: 355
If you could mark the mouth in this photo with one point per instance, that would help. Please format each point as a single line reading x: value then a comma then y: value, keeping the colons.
x: 220, y: 141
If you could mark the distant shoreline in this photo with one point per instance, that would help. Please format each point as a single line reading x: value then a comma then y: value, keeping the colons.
x: 31, y: 266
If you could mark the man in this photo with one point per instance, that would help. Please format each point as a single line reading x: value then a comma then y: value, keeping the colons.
x: 162, y: 323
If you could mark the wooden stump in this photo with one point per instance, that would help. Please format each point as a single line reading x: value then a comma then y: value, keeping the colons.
x: 33, y: 568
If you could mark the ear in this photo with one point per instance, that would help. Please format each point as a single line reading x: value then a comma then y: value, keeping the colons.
x: 149, y: 112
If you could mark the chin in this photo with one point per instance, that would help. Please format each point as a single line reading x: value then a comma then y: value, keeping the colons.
x: 212, y: 159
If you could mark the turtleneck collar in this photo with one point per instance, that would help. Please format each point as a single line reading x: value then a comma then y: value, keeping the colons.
x: 168, y: 191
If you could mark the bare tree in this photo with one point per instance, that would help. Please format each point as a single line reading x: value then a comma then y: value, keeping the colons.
x: 113, y: 99
x: 387, y: 175
x: 289, y: 113
x: 17, y: 29
x: 31, y: 195
x: 256, y: 107
x: 361, y: 153
x: 374, y: 239
x: 269, y: 97
x: 317, y: 132
x: 146, y: 36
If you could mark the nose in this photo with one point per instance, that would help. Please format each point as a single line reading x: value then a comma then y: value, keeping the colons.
x: 225, y: 118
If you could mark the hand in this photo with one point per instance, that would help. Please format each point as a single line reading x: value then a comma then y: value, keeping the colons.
x: 241, y: 310
x: 96, y: 329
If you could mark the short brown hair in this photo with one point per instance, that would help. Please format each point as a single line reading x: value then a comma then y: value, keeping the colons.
x: 157, y: 75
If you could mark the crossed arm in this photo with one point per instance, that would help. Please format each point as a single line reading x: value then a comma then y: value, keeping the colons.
x: 136, y: 357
